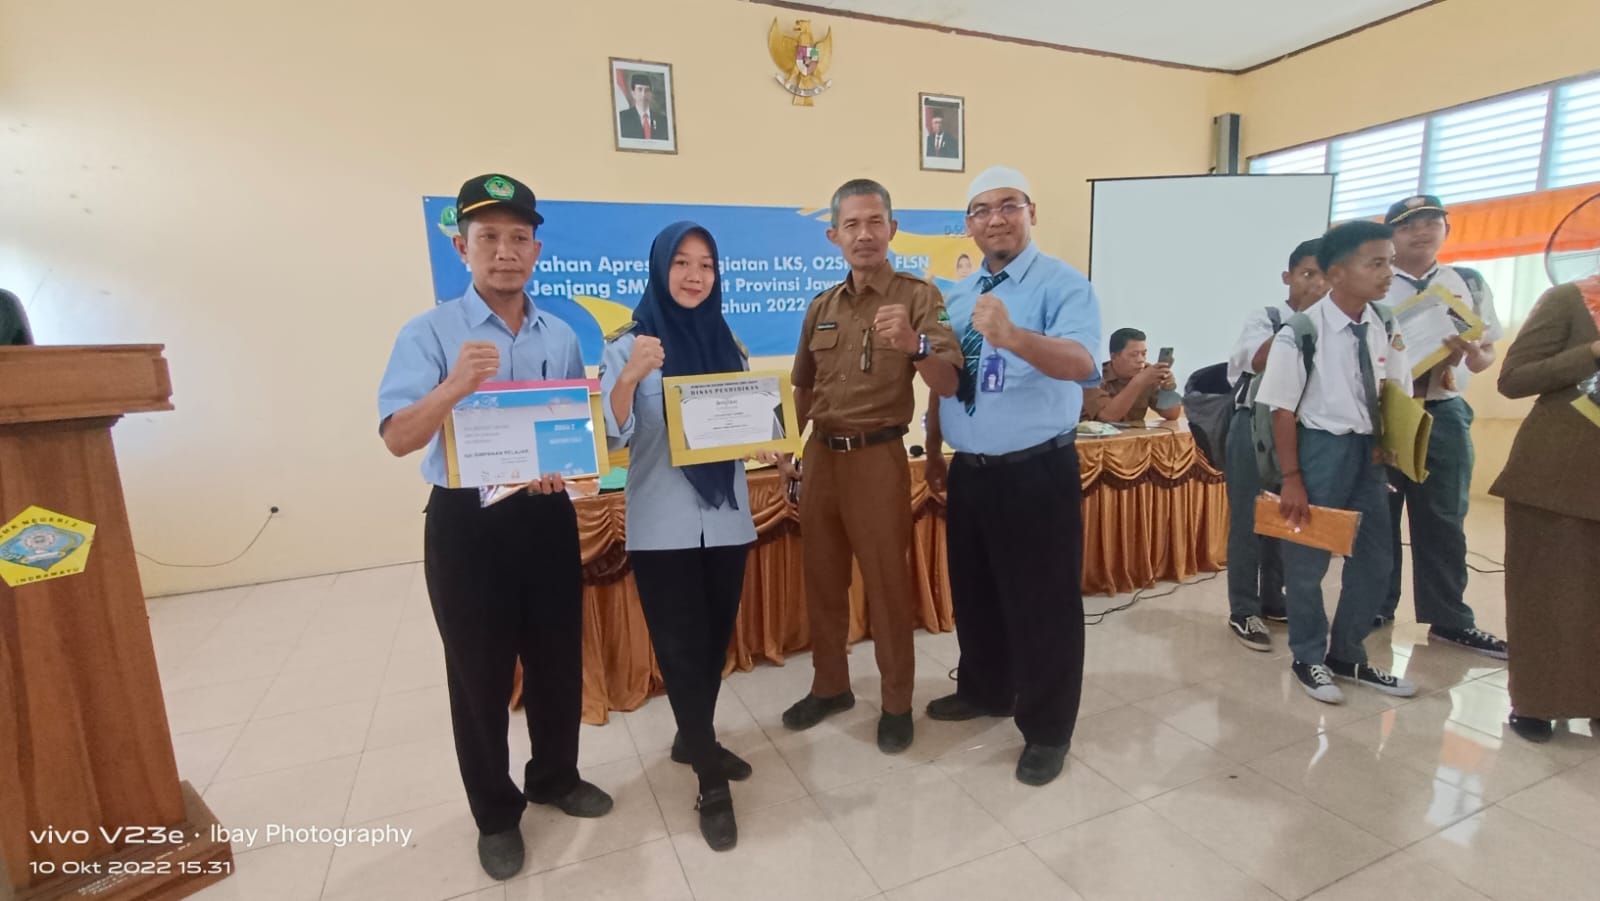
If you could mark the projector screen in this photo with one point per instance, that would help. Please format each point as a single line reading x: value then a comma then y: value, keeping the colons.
x: 1185, y: 259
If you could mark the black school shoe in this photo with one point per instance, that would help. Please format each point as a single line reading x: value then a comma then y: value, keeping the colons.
x: 1532, y: 728
x: 584, y: 800
x: 501, y: 854
x: 1372, y: 677
x: 1041, y: 764
x: 895, y: 732
x: 953, y: 708
x: 811, y: 710
x: 728, y: 764
x: 717, y: 825
x: 1472, y: 639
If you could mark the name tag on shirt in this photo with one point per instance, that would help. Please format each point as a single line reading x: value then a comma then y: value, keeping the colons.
x: 993, y: 377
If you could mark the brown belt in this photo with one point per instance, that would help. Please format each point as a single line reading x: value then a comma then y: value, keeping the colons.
x: 865, y: 439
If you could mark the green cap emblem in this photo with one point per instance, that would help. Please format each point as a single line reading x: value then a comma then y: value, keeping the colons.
x: 448, y: 217
x: 499, y: 188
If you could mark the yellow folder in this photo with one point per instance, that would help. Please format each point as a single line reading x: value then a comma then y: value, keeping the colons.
x: 1407, y: 427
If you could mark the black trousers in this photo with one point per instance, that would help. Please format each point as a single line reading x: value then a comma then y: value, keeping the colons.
x: 1015, y: 541
x: 691, y: 599
x: 507, y: 582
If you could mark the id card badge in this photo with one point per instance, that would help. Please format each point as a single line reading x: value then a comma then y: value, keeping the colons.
x: 993, y: 380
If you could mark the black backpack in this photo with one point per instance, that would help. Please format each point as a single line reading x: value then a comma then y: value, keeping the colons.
x: 1208, y: 403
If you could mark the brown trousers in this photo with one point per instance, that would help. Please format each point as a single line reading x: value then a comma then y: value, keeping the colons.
x: 859, y: 503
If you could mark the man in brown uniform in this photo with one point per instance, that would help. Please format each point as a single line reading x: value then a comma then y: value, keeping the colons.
x: 862, y: 343
x: 1129, y: 386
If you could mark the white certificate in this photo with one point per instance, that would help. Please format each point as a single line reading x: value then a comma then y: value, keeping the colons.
x: 725, y: 417
x: 1427, y: 320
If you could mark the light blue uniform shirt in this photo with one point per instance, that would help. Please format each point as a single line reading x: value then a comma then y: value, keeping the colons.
x: 425, y: 351
x: 1044, y: 295
x: 664, y: 511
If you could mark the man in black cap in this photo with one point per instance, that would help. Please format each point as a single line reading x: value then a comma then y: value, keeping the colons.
x: 1438, y: 506
x: 505, y: 581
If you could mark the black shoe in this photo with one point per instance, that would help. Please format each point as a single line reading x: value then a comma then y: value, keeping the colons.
x: 1535, y: 730
x: 584, y: 800
x: 894, y: 732
x: 1372, y: 677
x: 501, y: 854
x: 728, y: 764
x: 717, y: 825
x: 1379, y: 621
x: 953, y: 708
x: 1278, y: 615
x: 1039, y: 764
x: 1317, y: 680
x: 1475, y: 639
x: 1251, y: 632
x: 811, y: 710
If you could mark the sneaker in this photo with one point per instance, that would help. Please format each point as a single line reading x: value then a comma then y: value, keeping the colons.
x: 1039, y: 764
x: 728, y: 764
x: 1251, y: 632
x: 953, y: 708
x: 895, y: 732
x: 1279, y: 615
x: 1533, y: 729
x: 1372, y: 677
x: 501, y: 854
x: 811, y: 710
x: 1475, y: 639
x: 1317, y: 680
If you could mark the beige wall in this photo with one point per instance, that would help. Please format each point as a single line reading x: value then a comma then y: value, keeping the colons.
x: 241, y: 182
x: 1451, y: 53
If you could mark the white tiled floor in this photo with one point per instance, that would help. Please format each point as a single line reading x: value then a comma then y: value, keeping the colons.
x: 1198, y: 770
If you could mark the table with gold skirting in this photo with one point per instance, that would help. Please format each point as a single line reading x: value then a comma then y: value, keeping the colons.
x: 1154, y: 509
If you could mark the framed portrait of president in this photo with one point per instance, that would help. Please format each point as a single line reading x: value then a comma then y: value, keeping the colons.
x: 942, y: 133
x: 641, y: 106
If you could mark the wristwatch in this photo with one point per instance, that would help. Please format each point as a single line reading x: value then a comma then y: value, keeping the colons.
x: 922, y: 349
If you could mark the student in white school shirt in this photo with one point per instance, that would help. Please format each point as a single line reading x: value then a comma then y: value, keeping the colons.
x: 1438, y: 506
x: 1325, y: 430
x: 1255, y: 563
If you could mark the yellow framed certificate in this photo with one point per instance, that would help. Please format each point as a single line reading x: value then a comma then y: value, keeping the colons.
x: 1427, y: 319
x: 510, y: 433
x: 728, y: 416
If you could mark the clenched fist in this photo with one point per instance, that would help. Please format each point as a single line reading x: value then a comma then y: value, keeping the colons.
x: 477, y: 362
x: 993, y: 322
x: 892, y: 328
x: 647, y: 357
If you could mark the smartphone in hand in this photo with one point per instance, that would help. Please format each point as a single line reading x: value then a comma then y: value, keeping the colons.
x: 1165, y: 356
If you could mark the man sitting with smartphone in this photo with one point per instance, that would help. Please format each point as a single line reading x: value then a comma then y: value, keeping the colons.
x: 1130, y: 386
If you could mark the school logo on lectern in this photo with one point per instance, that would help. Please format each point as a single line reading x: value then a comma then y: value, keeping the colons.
x: 40, y: 544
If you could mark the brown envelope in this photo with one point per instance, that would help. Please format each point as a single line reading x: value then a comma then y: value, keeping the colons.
x: 1330, y: 528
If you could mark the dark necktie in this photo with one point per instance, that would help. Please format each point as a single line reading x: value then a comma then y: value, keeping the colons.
x: 972, y: 350
x: 1421, y: 284
x: 1369, y: 385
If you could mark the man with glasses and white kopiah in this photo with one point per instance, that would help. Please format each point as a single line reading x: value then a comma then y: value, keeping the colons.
x: 862, y: 343
x: 1027, y: 322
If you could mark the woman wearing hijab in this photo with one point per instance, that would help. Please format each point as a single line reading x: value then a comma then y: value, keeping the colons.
x: 689, y: 528
x: 1553, y: 514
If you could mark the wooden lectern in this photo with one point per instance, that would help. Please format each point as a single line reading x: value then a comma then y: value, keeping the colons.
x: 90, y: 802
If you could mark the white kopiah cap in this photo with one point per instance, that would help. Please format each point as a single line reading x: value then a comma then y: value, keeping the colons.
x: 996, y: 177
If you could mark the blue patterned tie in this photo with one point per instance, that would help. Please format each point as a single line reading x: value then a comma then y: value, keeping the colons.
x: 972, y: 350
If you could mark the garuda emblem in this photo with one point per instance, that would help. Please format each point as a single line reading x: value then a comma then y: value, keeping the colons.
x: 802, y: 62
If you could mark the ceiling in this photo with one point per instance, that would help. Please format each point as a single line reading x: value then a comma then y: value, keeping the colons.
x: 1214, y: 34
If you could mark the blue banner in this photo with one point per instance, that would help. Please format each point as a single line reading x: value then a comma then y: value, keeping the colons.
x: 595, y: 262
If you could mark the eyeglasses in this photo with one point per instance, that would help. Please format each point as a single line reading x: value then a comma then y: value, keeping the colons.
x: 985, y: 213
x: 866, y: 349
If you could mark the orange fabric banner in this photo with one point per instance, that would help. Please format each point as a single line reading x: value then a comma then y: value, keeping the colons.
x: 1509, y: 226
